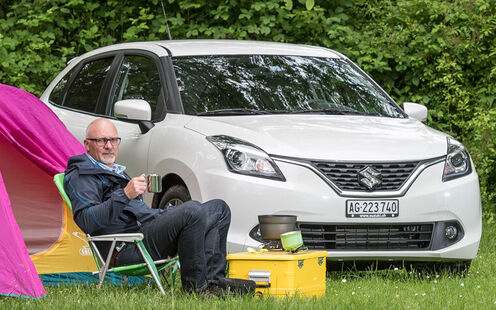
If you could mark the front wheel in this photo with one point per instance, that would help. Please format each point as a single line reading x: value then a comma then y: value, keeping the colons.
x: 174, y: 196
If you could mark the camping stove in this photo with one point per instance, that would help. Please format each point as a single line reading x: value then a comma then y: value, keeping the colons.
x: 273, y: 245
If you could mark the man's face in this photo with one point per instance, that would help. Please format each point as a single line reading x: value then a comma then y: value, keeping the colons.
x: 106, y: 153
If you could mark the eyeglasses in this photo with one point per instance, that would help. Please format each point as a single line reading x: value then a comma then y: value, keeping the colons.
x: 103, y: 141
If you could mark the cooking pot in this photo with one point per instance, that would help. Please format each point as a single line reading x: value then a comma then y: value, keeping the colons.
x: 272, y: 226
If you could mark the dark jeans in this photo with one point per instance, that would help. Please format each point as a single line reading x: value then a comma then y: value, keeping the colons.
x: 196, y: 232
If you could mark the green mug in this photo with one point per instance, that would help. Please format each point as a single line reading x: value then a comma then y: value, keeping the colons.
x: 291, y: 240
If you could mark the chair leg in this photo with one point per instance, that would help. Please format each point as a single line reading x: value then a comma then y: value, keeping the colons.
x: 152, y: 268
x: 170, y: 270
x: 104, y: 268
x: 174, y: 271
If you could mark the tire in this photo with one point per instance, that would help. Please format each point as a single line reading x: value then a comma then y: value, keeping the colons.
x: 175, y: 195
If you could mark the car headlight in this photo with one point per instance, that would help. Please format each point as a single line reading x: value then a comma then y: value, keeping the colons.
x: 245, y: 158
x: 457, y: 161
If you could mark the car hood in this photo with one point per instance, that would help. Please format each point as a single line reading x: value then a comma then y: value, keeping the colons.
x: 329, y: 137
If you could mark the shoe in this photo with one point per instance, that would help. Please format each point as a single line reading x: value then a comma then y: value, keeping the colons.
x: 226, y: 287
x: 237, y: 286
x: 210, y: 291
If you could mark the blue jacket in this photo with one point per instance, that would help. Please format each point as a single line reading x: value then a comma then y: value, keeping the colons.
x: 99, y: 203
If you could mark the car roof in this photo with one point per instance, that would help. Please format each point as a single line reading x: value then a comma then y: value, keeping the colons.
x: 237, y: 47
x: 179, y: 48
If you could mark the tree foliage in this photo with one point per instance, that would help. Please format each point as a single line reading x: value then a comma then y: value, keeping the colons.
x: 438, y: 53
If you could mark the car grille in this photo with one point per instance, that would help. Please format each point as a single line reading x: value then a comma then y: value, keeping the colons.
x: 345, y: 175
x: 366, y: 237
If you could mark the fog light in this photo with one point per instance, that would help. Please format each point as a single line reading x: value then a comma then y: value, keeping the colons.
x: 451, y: 232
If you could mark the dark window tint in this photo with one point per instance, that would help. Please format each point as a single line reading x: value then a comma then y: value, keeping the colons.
x: 85, y: 90
x: 277, y: 84
x: 57, y: 95
x: 139, y: 79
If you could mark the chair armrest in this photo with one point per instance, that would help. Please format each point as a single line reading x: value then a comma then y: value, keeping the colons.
x: 117, y: 237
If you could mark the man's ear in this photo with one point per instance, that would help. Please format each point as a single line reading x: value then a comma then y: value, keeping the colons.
x: 86, y: 145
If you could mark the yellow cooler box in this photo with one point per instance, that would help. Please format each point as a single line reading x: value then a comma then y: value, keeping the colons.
x: 280, y: 274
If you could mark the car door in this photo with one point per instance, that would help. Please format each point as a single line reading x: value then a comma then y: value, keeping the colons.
x: 78, y: 97
x: 138, y: 77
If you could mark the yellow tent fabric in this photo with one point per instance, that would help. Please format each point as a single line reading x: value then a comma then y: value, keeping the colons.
x: 70, y: 253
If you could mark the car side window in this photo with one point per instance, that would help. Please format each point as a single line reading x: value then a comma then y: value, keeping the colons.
x: 85, y: 89
x: 139, y: 79
x: 57, y: 94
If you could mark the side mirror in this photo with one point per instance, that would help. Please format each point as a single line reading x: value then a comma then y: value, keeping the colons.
x: 133, y: 109
x: 415, y: 110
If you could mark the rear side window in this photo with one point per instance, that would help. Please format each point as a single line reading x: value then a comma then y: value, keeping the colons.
x: 57, y: 95
x: 85, y: 90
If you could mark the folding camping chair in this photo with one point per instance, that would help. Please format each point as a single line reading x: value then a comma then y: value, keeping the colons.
x: 148, y: 267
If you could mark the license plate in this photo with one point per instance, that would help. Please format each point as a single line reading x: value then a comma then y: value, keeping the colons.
x: 373, y: 208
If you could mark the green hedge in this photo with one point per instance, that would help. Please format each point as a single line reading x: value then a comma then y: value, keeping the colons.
x: 438, y: 53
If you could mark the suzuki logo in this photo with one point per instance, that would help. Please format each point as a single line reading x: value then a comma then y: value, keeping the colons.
x: 369, y: 177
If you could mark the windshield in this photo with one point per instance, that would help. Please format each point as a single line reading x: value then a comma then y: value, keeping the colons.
x: 263, y: 84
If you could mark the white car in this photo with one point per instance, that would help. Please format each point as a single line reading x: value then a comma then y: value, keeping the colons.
x: 277, y: 128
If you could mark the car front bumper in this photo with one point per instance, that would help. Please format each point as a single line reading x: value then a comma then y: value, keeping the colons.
x: 306, y: 195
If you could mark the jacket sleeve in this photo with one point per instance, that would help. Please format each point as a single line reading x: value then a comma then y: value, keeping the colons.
x: 91, y: 213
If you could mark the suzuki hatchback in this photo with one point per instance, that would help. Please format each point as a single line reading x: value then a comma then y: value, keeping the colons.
x: 277, y: 128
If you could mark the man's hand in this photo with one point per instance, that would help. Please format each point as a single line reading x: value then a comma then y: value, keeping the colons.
x: 135, y: 187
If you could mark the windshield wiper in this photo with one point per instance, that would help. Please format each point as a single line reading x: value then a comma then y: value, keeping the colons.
x: 329, y: 111
x: 235, y: 111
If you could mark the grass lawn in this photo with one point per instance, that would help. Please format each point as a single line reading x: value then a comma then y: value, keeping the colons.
x: 385, y: 289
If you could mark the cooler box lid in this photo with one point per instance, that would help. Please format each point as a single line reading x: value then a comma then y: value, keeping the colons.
x: 276, y: 255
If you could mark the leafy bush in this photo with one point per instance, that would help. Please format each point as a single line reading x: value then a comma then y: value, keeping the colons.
x: 438, y: 53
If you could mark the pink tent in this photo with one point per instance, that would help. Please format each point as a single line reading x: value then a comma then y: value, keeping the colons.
x: 34, y: 146
x: 18, y: 276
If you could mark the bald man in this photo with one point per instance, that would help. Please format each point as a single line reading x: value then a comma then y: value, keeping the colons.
x: 105, y: 200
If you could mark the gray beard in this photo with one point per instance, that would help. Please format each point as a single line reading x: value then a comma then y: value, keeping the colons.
x: 108, y: 161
